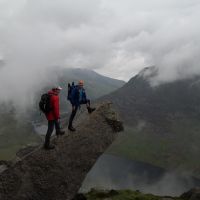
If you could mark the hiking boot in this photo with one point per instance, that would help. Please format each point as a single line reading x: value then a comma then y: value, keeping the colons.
x: 60, y: 133
x: 90, y: 110
x: 71, y: 128
x: 49, y: 147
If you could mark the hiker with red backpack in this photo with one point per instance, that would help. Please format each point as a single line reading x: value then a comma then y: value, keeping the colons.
x: 77, y: 97
x: 49, y: 104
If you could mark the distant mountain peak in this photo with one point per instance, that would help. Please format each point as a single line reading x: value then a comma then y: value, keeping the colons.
x: 148, y: 72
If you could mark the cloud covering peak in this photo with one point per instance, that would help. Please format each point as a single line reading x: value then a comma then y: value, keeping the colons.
x: 117, y: 38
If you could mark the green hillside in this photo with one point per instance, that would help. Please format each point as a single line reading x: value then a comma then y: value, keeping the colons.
x: 170, y: 152
x: 163, y: 122
x: 122, y: 195
x: 14, y: 134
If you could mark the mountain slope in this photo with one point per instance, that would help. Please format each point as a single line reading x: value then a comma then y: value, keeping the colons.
x: 163, y: 122
x: 96, y: 85
x: 14, y: 133
x: 138, y: 100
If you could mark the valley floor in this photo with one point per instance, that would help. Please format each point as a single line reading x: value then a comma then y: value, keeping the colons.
x: 121, y: 195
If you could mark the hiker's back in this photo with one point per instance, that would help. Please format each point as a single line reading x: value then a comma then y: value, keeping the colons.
x: 54, y: 103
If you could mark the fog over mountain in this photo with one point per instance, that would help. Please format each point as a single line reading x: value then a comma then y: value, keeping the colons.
x: 116, y: 38
x: 163, y: 122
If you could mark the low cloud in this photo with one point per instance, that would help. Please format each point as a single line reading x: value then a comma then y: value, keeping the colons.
x: 114, y: 37
x: 112, y: 172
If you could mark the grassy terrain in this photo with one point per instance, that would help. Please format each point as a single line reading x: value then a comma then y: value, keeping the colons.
x: 14, y: 134
x: 178, y: 149
x: 123, y: 195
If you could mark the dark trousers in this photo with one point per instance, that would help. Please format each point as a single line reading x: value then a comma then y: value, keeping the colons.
x: 51, y: 124
x: 87, y: 101
x: 73, y: 113
x: 72, y: 116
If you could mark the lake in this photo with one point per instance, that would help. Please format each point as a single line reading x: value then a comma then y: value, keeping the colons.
x: 112, y: 172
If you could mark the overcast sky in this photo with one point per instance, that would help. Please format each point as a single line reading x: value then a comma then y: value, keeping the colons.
x: 114, y: 37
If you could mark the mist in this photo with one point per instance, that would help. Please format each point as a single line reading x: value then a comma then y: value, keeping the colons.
x: 112, y: 172
x: 115, y: 38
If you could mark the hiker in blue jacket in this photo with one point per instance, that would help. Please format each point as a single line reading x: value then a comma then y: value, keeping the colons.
x: 77, y: 97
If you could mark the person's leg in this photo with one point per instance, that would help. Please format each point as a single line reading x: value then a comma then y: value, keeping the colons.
x: 74, y: 110
x: 58, y: 129
x: 48, y: 134
x: 90, y: 110
x: 88, y: 103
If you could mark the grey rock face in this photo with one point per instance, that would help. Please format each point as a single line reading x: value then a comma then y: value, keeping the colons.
x: 58, y: 174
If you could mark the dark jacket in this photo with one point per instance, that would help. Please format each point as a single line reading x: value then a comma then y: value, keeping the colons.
x: 75, y: 101
x: 54, y: 114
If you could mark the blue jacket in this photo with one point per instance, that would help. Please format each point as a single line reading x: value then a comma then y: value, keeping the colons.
x: 75, y: 96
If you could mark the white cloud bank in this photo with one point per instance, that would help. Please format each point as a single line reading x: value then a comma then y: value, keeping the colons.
x: 114, y: 37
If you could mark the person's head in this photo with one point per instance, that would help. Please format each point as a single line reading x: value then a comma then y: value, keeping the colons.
x: 81, y: 83
x: 57, y: 89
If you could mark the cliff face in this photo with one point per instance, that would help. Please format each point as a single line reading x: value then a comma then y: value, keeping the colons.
x: 58, y: 174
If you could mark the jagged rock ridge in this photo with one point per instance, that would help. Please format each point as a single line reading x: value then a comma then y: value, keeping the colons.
x: 58, y: 174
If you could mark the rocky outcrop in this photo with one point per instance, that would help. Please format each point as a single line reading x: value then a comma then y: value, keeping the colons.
x: 58, y: 174
x: 4, y: 165
x: 193, y: 194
